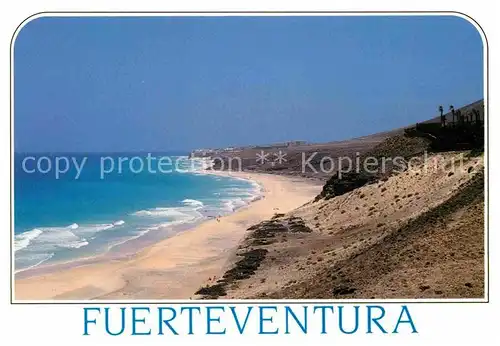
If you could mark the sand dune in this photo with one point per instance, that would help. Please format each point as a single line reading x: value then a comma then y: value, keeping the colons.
x: 417, y: 234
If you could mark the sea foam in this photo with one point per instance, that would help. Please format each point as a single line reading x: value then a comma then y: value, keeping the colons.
x: 40, y: 244
x: 193, y: 203
x: 42, y: 241
x: 22, y: 240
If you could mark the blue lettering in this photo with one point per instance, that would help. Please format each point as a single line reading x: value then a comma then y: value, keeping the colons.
x: 106, y: 320
x: 262, y: 319
x: 404, y: 310
x: 356, y: 308
x: 323, y: 316
x: 135, y: 320
x: 167, y: 322
x: 375, y: 320
x: 31, y: 158
x: 212, y: 319
x: 241, y: 328
x: 86, y: 320
x: 303, y: 326
x: 190, y: 312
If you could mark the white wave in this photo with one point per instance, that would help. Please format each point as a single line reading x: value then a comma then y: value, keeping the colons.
x: 195, y: 165
x: 161, y: 212
x: 240, y: 196
x: 22, y: 240
x: 193, y: 203
x: 203, y: 163
x: 158, y: 226
x: 118, y: 223
x: 49, y: 239
x: 88, y: 230
x: 233, y: 204
x: 53, y: 238
x: 143, y: 231
x: 37, y: 259
x: 174, y: 215
x: 238, y: 192
x: 75, y: 245
x: 42, y: 243
x: 256, y: 187
x: 125, y: 240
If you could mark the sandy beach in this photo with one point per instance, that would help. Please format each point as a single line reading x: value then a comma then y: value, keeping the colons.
x: 176, y: 267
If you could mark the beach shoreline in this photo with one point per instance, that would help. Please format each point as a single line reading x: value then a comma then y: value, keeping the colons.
x: 174, y: 267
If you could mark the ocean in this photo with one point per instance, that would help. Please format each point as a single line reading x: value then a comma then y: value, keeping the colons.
x: 58, y: 218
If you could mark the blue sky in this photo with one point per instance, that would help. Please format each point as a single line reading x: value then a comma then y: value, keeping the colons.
x: 160, y: 84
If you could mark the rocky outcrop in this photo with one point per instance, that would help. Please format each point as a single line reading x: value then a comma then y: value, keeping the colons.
x: 254, y: 252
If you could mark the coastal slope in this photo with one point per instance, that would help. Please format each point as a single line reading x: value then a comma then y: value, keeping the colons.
x: 414, y: 234
x: 411, y: 230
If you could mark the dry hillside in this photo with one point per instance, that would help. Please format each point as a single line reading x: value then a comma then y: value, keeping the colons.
x: 419, y: 233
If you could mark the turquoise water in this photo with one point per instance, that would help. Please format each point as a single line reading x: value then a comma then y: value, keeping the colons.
x: 63, y: 219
